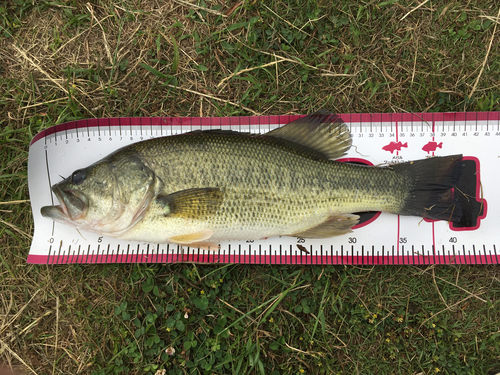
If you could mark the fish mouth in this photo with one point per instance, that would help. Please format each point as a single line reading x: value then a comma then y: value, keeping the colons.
x: 73, y: 206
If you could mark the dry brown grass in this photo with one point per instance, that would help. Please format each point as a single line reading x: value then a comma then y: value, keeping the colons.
x: 391, y: 65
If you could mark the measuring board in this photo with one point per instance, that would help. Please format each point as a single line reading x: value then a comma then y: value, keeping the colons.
x: 379, y: 238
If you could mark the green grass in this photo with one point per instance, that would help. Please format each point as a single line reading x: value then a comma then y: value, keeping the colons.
x: 64, y: 60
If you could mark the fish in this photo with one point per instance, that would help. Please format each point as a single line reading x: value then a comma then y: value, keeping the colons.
x: 206, y: 186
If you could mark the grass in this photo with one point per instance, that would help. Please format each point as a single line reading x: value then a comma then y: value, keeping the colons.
x: 65, y: 60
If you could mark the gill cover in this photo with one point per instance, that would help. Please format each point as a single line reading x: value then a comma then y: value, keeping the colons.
x: 108, y: 197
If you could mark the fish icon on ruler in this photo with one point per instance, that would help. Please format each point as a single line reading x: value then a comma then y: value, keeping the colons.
x: 432, y: 146
x: 395, y: 146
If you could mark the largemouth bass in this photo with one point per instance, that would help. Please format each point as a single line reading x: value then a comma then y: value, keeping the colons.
x: 203, y: 187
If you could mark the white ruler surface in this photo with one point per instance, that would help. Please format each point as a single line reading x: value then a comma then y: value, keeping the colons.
x: 379, y: 239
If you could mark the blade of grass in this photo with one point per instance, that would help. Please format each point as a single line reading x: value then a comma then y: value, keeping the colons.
x: 277, y: 302
x: 154, y: 71
x: 250, y: 312
x: 175, y: 61
x: 321, y: 314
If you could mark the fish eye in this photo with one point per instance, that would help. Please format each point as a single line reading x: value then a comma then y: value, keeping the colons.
x: 77, y: 177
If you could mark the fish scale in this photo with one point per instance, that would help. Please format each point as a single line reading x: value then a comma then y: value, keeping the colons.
x: 269, y: 189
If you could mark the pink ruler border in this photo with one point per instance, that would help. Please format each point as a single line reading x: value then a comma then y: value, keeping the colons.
x: 481, y: 257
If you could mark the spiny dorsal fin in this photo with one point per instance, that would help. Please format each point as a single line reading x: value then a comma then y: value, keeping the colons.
x: 196, y: 203
x: 321, y: 131
x: 333, y: 226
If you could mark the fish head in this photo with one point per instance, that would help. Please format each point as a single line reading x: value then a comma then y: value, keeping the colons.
x: 108, y: 197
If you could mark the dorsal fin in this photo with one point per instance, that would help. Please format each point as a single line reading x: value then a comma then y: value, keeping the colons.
x: 321, y: 131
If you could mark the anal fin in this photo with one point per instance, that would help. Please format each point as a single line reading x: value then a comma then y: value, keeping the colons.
x: 334, y: 226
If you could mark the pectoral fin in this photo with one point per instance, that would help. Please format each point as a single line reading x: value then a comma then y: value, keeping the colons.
x: 191, y: 203
x: 333, y: 226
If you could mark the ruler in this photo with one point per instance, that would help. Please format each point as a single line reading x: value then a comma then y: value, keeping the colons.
x: 380, y: 238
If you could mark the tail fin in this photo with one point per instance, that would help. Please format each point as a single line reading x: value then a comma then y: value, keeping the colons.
x: 431, y: 183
